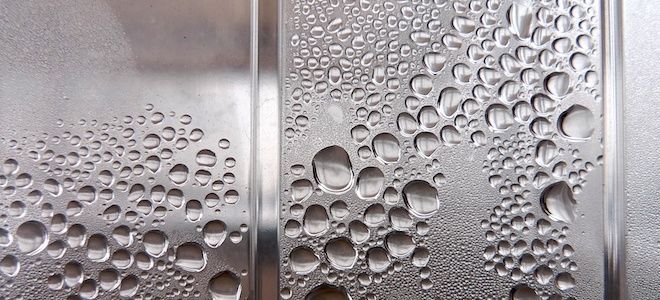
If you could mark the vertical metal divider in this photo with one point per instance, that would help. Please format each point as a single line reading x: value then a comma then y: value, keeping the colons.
x: 615, y: 258
x: 264, y: 187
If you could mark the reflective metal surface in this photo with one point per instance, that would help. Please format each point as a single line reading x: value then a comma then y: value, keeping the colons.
x: 341, y: 149
x: 126, y: 136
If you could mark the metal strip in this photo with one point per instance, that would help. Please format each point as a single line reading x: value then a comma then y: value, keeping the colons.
x: 265, y: 256
x: 615, y: 206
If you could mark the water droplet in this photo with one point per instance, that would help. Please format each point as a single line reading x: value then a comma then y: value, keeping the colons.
x: 370, y: 182
x: 97, y: 248
x: 327, y: 292
x: 358, y: 231
x: 303, y: 260
x: 339, y: 209
x: 340, y: 253
x: 374, y: 215
x: 129, y: 286
x: 523, y: 292
x: 386, y: 148
x: 399, y: 244
x: 558, y: 203
x: 406, y: 123
x: 31, y: 237
x: 521, y: 20
x: 225, y: 286
x: 206, y: 158
x: 315, y: 220
x: 194, y: 210
x: 301, y: 189
x: 558, y: 84
x: 151, y: 141
x: 499, y: 117
x: 332, y: 169
x: 546, y: 152
x: 577, y: 122
x: 214, y: 233
x: 421, y: 84
x: 155, y: 242
x: 449, y: 101
x: 73, y: 273
x: 565, y: 281
x: 426, y: 143
x: 178, y: 174
x: 434, y: 62
x: 108, y: 279
x: 10, y: 265
x: 190, y: 257
x: 88, y: 289
x: 10, y: 167
x: 421, y: 198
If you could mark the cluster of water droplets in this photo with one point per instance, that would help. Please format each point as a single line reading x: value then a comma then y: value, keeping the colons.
x: 518, y: 81
x: 129, y: 208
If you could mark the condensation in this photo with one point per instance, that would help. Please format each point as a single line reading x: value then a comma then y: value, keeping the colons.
x: 448, y: 150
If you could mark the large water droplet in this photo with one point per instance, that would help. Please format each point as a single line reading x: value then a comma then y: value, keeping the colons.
x: 386, y: 148
x: 421, y: 84
x: 523, y: 292
x: 546, y: 152
x: 214, y: 233
x: 190, y: 257
x: 178, y: 174
x: 565, y: 281
x: 194, y: 210
x: 374, y: 215
x: 108, y: 279
x: 315, y: 220
x: 449, y: 101
x: 521, y: 20
x: 378, y: 259
x: 73, y: 273
x: 10, y: 265
x: 499, y: 117
x: 327, y: 292
x: 225, y: 286
x: 303, y: 260
x: 155, y: 242
x: 88, y: 289
x: 370, y: 182
x: 129, y: 286
x: 577, y: 122
x: 97, y: 248
x: 31, y: 237
x: 358, y: 231
x: 301, y: 189
x: 557, y: 201
x: 426, y: 143
x: 434, y: 62
x: 340, y: 253
x: 151, y: 141
x: 206, y: 158
x: 558, y: 84
x: 421, y: 198
x: 399, y: 244
x: 332, y: 169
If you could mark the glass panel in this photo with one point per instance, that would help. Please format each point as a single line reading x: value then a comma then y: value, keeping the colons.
x: 125, y: 149
x: 442, y: 150
x: 640, y: 158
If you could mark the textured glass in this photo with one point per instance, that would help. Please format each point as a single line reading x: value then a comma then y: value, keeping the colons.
x: 641, y: 163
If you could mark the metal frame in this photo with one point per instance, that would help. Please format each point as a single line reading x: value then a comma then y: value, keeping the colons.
x: 614, y: 196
